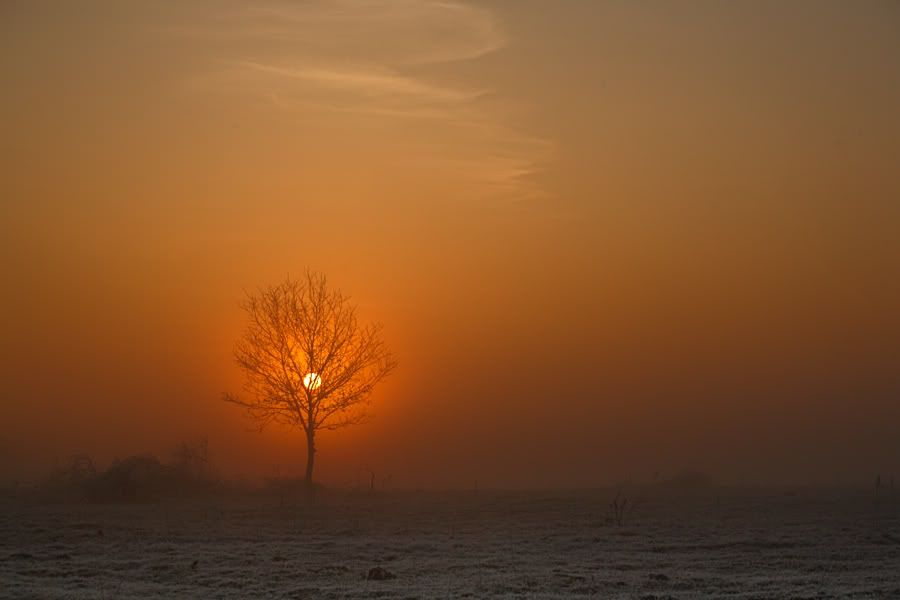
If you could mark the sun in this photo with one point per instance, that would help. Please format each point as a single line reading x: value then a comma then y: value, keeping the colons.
x: 312, y: 381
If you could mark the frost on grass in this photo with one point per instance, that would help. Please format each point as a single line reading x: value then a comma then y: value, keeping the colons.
x: 719, y: 543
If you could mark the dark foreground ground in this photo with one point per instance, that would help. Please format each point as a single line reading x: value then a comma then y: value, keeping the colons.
x: 711, y: 543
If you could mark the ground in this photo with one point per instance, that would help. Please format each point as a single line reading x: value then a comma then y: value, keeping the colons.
x: 723, y: 543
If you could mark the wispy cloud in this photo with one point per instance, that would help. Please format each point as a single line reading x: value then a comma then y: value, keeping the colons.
x: 371, y: 83
x: 397, y: 32
x: 371, y: 58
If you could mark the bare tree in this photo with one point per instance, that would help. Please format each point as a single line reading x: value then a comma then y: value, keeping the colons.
x: 308, y: 361
x: 192, y: 458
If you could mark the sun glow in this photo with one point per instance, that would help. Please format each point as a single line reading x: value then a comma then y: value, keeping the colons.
x: 312, y: 381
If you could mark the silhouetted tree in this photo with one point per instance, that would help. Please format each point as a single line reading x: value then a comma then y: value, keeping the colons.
x: 308, y: 361
x: 192, y: 458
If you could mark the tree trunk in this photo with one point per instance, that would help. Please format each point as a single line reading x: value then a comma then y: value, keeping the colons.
x: 310, y: 456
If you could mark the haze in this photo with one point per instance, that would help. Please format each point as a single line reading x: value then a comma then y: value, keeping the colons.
x: 605, y: 239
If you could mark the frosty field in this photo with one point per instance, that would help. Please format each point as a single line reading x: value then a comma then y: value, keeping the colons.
x: 811, y: 543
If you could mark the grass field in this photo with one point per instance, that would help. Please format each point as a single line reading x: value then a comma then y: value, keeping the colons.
x: 725, y: 543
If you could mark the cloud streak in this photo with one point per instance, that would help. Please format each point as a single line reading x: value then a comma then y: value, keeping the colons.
x: 372, y: 59
x: 398, y: 32
x: 369, y: 84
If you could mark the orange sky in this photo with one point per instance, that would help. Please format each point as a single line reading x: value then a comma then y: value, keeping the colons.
x: 605, y: 238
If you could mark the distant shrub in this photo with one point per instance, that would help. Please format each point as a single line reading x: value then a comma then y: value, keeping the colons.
x: 134, y: 479
x: 620, y: 510
x: 139, y: 478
